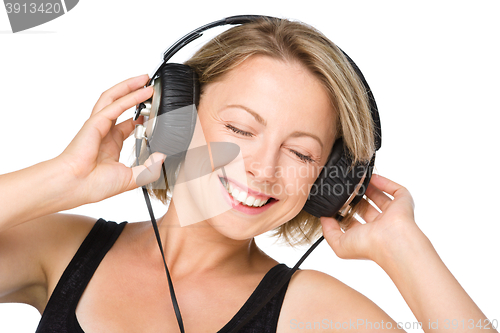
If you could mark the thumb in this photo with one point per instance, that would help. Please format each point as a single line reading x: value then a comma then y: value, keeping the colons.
x: 150, y: 171
x: 333, y: 234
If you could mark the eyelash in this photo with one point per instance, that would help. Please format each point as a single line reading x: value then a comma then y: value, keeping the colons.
x: 302, y: 157
x: 238, y: 131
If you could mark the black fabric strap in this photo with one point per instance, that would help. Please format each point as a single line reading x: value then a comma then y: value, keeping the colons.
x: 59, y: 314
x: 277, y: 288
x: 285, y: 279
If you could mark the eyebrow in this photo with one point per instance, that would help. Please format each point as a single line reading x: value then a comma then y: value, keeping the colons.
x: 257, y: 117
x: 300, y: 133
x: 262, y: 121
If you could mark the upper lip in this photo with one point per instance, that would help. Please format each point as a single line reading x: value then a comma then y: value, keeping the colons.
x: 251, y: 192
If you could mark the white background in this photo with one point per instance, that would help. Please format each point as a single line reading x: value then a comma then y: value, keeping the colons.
x: 433, y: 67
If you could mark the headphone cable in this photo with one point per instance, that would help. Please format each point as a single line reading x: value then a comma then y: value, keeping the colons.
x: 138, y: 145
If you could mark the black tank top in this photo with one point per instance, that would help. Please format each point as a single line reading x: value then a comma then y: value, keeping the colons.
x: 60, y: 313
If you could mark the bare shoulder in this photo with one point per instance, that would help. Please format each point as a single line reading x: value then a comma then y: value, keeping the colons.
x: 64, y: 233
x: 317, y: 302
x: 36, y: 253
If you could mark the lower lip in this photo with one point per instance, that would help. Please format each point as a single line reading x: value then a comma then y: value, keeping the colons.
x: 244, y: 208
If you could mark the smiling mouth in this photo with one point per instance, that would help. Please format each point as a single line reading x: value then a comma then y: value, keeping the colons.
x: 243, y: 197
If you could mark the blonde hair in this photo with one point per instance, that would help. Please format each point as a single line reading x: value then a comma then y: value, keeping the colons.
x: 295, y: 41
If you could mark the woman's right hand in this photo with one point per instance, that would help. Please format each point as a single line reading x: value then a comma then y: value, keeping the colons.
x: 92, y: 157
x: 35, y: 242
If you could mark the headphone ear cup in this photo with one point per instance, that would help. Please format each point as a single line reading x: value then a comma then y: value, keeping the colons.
x: 335, y: 184
x: 366, y: 181
x: 176, y: 116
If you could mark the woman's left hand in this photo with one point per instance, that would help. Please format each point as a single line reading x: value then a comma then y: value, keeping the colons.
x: 382, y: 231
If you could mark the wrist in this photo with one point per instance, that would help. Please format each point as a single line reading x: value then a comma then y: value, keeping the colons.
x: 423, y: 279
x: 400, y: 245
x: 36, y: 191
x: 65, y: 190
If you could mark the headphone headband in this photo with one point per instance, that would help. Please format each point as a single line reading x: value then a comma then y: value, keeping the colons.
x: 197, y: 33
x: 242, y: 19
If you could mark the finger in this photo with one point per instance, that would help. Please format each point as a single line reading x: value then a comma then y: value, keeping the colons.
x: 387, y: 185
x: 119, y: 90
x: 370, y: 213
x: 353, y: 224
x: 378, y: 197
x: 332, y: 232
x: 104, y: 119
x: 335, y: 237
x: 150, y: 171
x: 124, y: 129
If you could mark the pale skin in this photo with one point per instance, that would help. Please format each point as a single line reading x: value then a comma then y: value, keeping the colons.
x: 218, y: 257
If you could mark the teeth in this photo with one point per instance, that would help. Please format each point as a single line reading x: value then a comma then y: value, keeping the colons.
x: 250, y: 200
x: 243, y: 197
x: 264, y: 202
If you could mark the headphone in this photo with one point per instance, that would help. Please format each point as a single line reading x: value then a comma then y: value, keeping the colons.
x: 340, y: 185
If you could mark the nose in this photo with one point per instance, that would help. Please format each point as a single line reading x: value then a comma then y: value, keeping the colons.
x: 261, y: 164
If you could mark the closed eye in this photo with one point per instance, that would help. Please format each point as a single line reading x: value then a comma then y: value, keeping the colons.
x: 302, y: 157
x: 238, y: 131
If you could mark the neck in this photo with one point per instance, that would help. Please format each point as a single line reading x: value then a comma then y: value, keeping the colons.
x: 199, y: 247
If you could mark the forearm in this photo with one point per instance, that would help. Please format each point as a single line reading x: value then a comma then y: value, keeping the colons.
x: 35, y: 191
x: 431, y: 291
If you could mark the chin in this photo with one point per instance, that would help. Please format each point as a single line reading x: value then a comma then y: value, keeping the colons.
x: 234, y: 225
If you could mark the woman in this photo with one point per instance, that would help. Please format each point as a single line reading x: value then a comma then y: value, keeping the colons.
x: 279, y: 108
